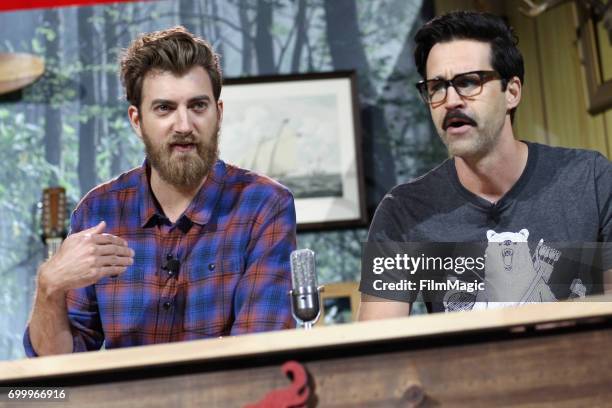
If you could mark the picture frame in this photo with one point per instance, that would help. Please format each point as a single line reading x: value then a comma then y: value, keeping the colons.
x: 596, y: 54
x: 303, y: 131
x: 339, y: 303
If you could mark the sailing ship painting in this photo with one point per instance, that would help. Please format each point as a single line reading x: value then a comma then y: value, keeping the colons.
x: 300, y: 130
x: 283, y: 140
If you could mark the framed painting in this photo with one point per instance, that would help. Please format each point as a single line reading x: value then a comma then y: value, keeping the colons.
x: 339, y: 303
x: 304, y: 132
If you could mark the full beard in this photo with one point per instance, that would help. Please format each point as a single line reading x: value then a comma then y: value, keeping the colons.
x: 184, y: 171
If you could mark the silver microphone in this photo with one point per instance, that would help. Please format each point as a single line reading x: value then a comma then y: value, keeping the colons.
x: 305, y: 295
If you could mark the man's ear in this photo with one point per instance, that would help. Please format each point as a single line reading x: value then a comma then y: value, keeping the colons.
x: 220, y: 111
x: 134, y: 116
x: 513, y: 93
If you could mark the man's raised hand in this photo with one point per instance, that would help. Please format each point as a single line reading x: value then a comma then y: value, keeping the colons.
x: 83, y: 259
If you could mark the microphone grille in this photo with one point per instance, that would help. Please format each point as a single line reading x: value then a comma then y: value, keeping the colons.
x: 303, y: 272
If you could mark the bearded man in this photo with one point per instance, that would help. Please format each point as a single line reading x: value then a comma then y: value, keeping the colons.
x: 185, y: 246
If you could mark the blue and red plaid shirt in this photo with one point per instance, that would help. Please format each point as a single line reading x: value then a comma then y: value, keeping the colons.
x: 233, y: 244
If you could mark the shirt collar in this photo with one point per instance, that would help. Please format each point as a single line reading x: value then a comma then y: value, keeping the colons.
x: 199, y: 210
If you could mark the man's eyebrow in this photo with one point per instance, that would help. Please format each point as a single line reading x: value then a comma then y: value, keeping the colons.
x: 162, y: 102
x: 437, y: 77
x: 200, y: 98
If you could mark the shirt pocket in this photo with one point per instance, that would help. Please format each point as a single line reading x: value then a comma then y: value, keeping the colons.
x: 209, y: 310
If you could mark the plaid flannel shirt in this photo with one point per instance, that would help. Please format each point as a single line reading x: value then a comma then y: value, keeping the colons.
x: 233, y: 244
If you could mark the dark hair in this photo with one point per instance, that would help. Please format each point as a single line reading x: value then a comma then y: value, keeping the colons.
x: 506, y: 58
x: 175, y: 50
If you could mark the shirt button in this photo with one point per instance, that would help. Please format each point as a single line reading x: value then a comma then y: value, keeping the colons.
x: 167, y: 305
x: 211, y: 266
x: 170, y: 273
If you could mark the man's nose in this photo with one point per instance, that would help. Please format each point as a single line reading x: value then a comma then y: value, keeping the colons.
x: 453, y: 99
x: 182, y: 123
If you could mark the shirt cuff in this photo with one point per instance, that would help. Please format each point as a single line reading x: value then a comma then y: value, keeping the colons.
x: 77, y: 344
x: 27, y: 344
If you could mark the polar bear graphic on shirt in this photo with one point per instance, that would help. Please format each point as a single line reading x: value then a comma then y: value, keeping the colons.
x: 512, y: 274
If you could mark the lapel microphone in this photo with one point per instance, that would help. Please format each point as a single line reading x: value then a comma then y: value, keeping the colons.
x: 172, y: 265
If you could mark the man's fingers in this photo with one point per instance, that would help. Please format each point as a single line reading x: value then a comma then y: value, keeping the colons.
x: 113, y: 260
x: 111, y: 271
x: 96, y: 229
x: 108, y: 239
x: 111, y: 249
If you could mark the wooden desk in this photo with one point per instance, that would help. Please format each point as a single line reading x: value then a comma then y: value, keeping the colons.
x: 485, y: 358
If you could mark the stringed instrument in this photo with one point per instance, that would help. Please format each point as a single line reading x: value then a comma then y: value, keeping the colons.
x: 53, y: 218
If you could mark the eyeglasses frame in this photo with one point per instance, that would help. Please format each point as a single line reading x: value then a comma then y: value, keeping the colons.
x: 484, y: 76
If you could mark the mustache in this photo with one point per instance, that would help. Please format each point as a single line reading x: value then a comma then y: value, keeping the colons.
x: 177, y: 138
x: 457, y: 114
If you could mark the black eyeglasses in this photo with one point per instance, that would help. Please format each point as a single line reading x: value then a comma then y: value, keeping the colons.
x: 467, y: 84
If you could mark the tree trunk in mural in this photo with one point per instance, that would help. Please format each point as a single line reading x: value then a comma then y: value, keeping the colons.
x: 264, y: 47
x: 419, y: 146
x: 344, y: 39
x: 347, y: 52
x: 53, y: 114
x: 101, y: 117
x: 188, y: 15
x: 246, y: 34
x: 300, y: 22
x: 216, y: 31
x: 87, y: 126
x: 112, y: 83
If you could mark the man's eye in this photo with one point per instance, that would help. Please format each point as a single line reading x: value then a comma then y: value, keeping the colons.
x: 199, y: 106
x: 468, y: 81
x: 162, y: 108
x: 433, y: 87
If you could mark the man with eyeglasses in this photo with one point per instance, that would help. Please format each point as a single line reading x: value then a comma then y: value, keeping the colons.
x: 517, y: 199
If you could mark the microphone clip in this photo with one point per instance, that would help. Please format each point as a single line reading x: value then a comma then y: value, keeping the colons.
x: 172, y: 265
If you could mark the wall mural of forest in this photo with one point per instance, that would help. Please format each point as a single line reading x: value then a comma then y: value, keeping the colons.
x: 70, y: 128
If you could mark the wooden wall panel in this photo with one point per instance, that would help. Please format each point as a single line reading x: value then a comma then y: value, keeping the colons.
x: 608, y: 131
x: 530, y: 120
x: 564, y: 88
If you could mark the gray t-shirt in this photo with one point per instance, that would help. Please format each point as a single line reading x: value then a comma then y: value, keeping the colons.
x: 563, y: 197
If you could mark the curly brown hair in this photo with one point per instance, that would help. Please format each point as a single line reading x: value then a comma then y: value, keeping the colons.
x: 175, y: 50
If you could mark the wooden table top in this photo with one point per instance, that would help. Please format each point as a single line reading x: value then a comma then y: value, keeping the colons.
x: 412, y: 327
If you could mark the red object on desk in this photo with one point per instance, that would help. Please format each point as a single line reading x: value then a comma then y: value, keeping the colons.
x: 296, y: 395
